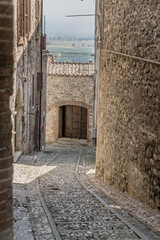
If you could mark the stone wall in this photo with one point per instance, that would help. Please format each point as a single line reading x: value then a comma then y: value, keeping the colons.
x: 6, y: 68
x: 26, y: 99
x: 67, y: 90
x: 128, y: 151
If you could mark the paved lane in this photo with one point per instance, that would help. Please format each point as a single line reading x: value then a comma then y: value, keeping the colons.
x: 77, y: 214
x: 52, y: 202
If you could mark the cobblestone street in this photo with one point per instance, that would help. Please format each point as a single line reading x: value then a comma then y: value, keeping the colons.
x: 57, y: 197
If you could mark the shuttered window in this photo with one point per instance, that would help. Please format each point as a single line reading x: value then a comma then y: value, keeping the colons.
x: 39, y: 81
x: 37, y: 15
x: 27, y: 17
x: 20, y: 19
x: 23, y: 19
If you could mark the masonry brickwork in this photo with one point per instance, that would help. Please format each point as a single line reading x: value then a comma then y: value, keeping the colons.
x: 128, y: 151
x: 26, y: 99
x: 6, y: 68
x: 73, y: 87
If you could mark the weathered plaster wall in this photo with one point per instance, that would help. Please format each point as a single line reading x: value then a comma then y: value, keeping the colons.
x: 128, y: 151
x: 67, y: 90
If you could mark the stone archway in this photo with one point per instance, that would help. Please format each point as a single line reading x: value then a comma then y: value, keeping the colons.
x: 18, y: 121
x: 53, y: 120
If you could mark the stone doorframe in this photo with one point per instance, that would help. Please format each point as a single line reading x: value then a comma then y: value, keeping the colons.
x: 57, y: 105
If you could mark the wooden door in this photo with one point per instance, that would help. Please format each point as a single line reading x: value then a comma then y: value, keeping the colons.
x: 67, y: 121
x: 83, y: 123
x: 73, y: 122
x: 76, y: 122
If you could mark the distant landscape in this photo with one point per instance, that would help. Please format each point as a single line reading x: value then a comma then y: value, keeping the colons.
x: 71, y: 48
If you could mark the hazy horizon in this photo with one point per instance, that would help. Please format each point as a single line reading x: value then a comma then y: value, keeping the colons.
x: 57, y: 22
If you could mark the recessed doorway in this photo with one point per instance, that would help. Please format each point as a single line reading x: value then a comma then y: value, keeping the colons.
x: 73, y: 122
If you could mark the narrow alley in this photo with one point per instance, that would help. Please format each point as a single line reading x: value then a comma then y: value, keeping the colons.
x: 55, y: 198
x: 79, y: 120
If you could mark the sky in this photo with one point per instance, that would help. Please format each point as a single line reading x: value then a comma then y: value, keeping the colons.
x: 56, y: 20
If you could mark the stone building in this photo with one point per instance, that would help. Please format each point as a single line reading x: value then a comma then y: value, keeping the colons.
x: 27, y: 75
x: 21, y: 85
x: 6, y: 82
x: 69, y: 101
x: 128, y: 151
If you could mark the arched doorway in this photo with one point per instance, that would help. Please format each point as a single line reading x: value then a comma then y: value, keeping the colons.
x: 73, y: 122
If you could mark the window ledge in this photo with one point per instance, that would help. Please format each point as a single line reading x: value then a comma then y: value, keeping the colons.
x: 20, y: 41
x: 29, y: 36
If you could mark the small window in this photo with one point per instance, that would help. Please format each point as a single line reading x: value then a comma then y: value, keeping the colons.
x: 23, y: 19
x: 32, y: 90
x: 27, y: 17
x: 20, y: 19
x: 37, y: 15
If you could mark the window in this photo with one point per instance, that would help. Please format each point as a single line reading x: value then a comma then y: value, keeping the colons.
x: 27, y: 17
x: 20, y: 19
x: 39, y: 81
x: 37, y: 15
x: 23, y: 19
